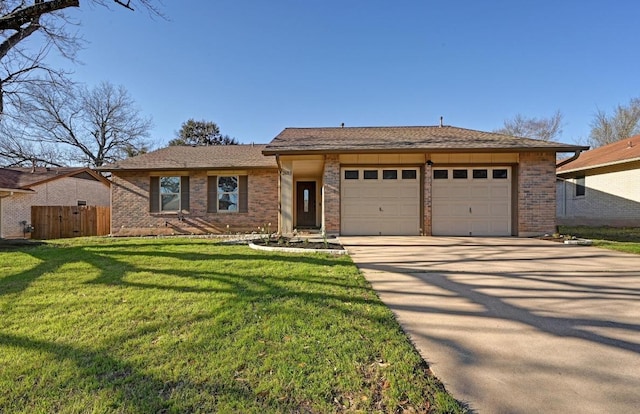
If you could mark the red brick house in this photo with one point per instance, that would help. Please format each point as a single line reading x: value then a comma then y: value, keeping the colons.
x: 434, y: 180
x: 602, y: 186
x: 200, y: 190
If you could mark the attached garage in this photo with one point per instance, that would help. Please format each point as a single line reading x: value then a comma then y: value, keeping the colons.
x: 419, y: 180
x: 380, y: 201
x: 473, y: 201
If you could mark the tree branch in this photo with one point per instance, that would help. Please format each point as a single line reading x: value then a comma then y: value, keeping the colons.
x: 17, y: 18
x: 17, y: 37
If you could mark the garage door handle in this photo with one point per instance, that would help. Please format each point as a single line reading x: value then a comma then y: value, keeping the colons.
x: 380, y: 208
x: 469, y: 210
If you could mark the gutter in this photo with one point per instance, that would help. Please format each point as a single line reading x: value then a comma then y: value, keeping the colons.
x: 570, y: 159
x: 596, y: 166
x: 432, y: 150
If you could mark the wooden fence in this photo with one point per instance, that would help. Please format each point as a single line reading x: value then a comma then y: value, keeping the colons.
x: 57, y: 222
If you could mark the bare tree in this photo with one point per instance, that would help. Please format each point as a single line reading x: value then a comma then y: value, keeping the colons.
x: 546, y: 129
x: 625, y: 122
x: 89, y: 126
x: 29, y: 31
x: 17, y: 151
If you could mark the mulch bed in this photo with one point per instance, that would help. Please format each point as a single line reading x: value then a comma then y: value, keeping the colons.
x: 295, y: 242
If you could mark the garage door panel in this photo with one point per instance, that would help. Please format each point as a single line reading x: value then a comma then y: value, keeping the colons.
x: 472, y: 206
x: 500, y: 192
x: 481, y: 192
x: 450, y: 228
x: 359, y: 209
x: 386, y: 207
x: 500, y: 209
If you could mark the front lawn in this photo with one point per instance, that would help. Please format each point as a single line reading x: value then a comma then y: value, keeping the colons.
x: 190, y: 325
x: 614, y: 238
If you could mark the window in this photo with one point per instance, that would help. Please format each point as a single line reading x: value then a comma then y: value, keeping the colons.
x: 228, y: 194
x: 370, y: 174
x: 500, y: 174
x: 460, y: 174
x: 440, y: 174
x: 480, y: 174
x: 409, y: 174
x: 580, y: 187
x: 389, y: 174
x: 351, y: 174
x: 82, y: 202
x: 169, y: 193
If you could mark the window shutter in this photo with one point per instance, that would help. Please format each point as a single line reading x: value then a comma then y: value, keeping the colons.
x: 184, y: 193
x: 154, y: 195
x: 212, y: 194
x: 243, y: 193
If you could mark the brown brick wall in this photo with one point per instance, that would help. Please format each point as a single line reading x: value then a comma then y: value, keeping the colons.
x: 426, y: 229
x: 331, y: 192
x: 536, y: 194
x: 130, y: 207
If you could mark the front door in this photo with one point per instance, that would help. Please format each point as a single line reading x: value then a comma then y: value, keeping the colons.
x: 306, y: 203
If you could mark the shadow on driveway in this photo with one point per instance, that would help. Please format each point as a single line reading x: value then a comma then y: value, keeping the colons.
x: 515, y: 325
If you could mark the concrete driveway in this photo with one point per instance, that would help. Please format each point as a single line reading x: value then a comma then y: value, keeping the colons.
x: 515, y: 325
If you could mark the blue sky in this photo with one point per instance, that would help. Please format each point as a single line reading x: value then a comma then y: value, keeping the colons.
x: 256, y: 67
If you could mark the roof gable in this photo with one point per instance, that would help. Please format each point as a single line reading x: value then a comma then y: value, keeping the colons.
x: 17, y: 178
x: 198, y: 157
x: 623, y: 151
x: 403, y: 139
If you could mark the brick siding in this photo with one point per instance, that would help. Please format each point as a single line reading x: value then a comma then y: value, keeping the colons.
x: 426, y: 229
x: 130, y: 213
x: 536, y: 194
x: 612, y: 198
x: 65, y: 191
x: 331, y: 194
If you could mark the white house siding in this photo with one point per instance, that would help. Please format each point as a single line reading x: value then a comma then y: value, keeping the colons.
x: 60, y: 192
x: 611, y: 199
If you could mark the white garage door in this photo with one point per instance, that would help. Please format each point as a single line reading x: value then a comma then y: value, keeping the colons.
x: 380, y: 201
x: 474, y: 201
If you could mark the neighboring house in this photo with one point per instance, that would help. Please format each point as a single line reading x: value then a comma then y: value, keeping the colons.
x: 434, y: 180
x: 602, y: 186
x: 22, y: 188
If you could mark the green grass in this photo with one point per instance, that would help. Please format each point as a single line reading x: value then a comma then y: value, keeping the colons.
x: 620, y: 239
x: 189, y: 325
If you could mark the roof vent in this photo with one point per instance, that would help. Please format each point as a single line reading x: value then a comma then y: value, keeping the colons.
x: 630, y: 144
x: 342, y: 125
x: 441, y: 121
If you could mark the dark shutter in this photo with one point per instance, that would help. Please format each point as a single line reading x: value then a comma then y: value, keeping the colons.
x: 243, y: 192
x: 212, y: 194
x: 154, y: 195
x: 184, y: 193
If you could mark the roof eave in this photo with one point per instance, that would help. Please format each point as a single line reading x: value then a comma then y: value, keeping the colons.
x: 288, y: 151
x: 212, y: 167
x: 17, y: 190
x: 596, y: 166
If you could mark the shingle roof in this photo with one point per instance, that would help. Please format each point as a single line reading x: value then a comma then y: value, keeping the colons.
x: 200, y: 157
x: 626, y: 150
x: 403, y: 139
x: 23, y: 178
